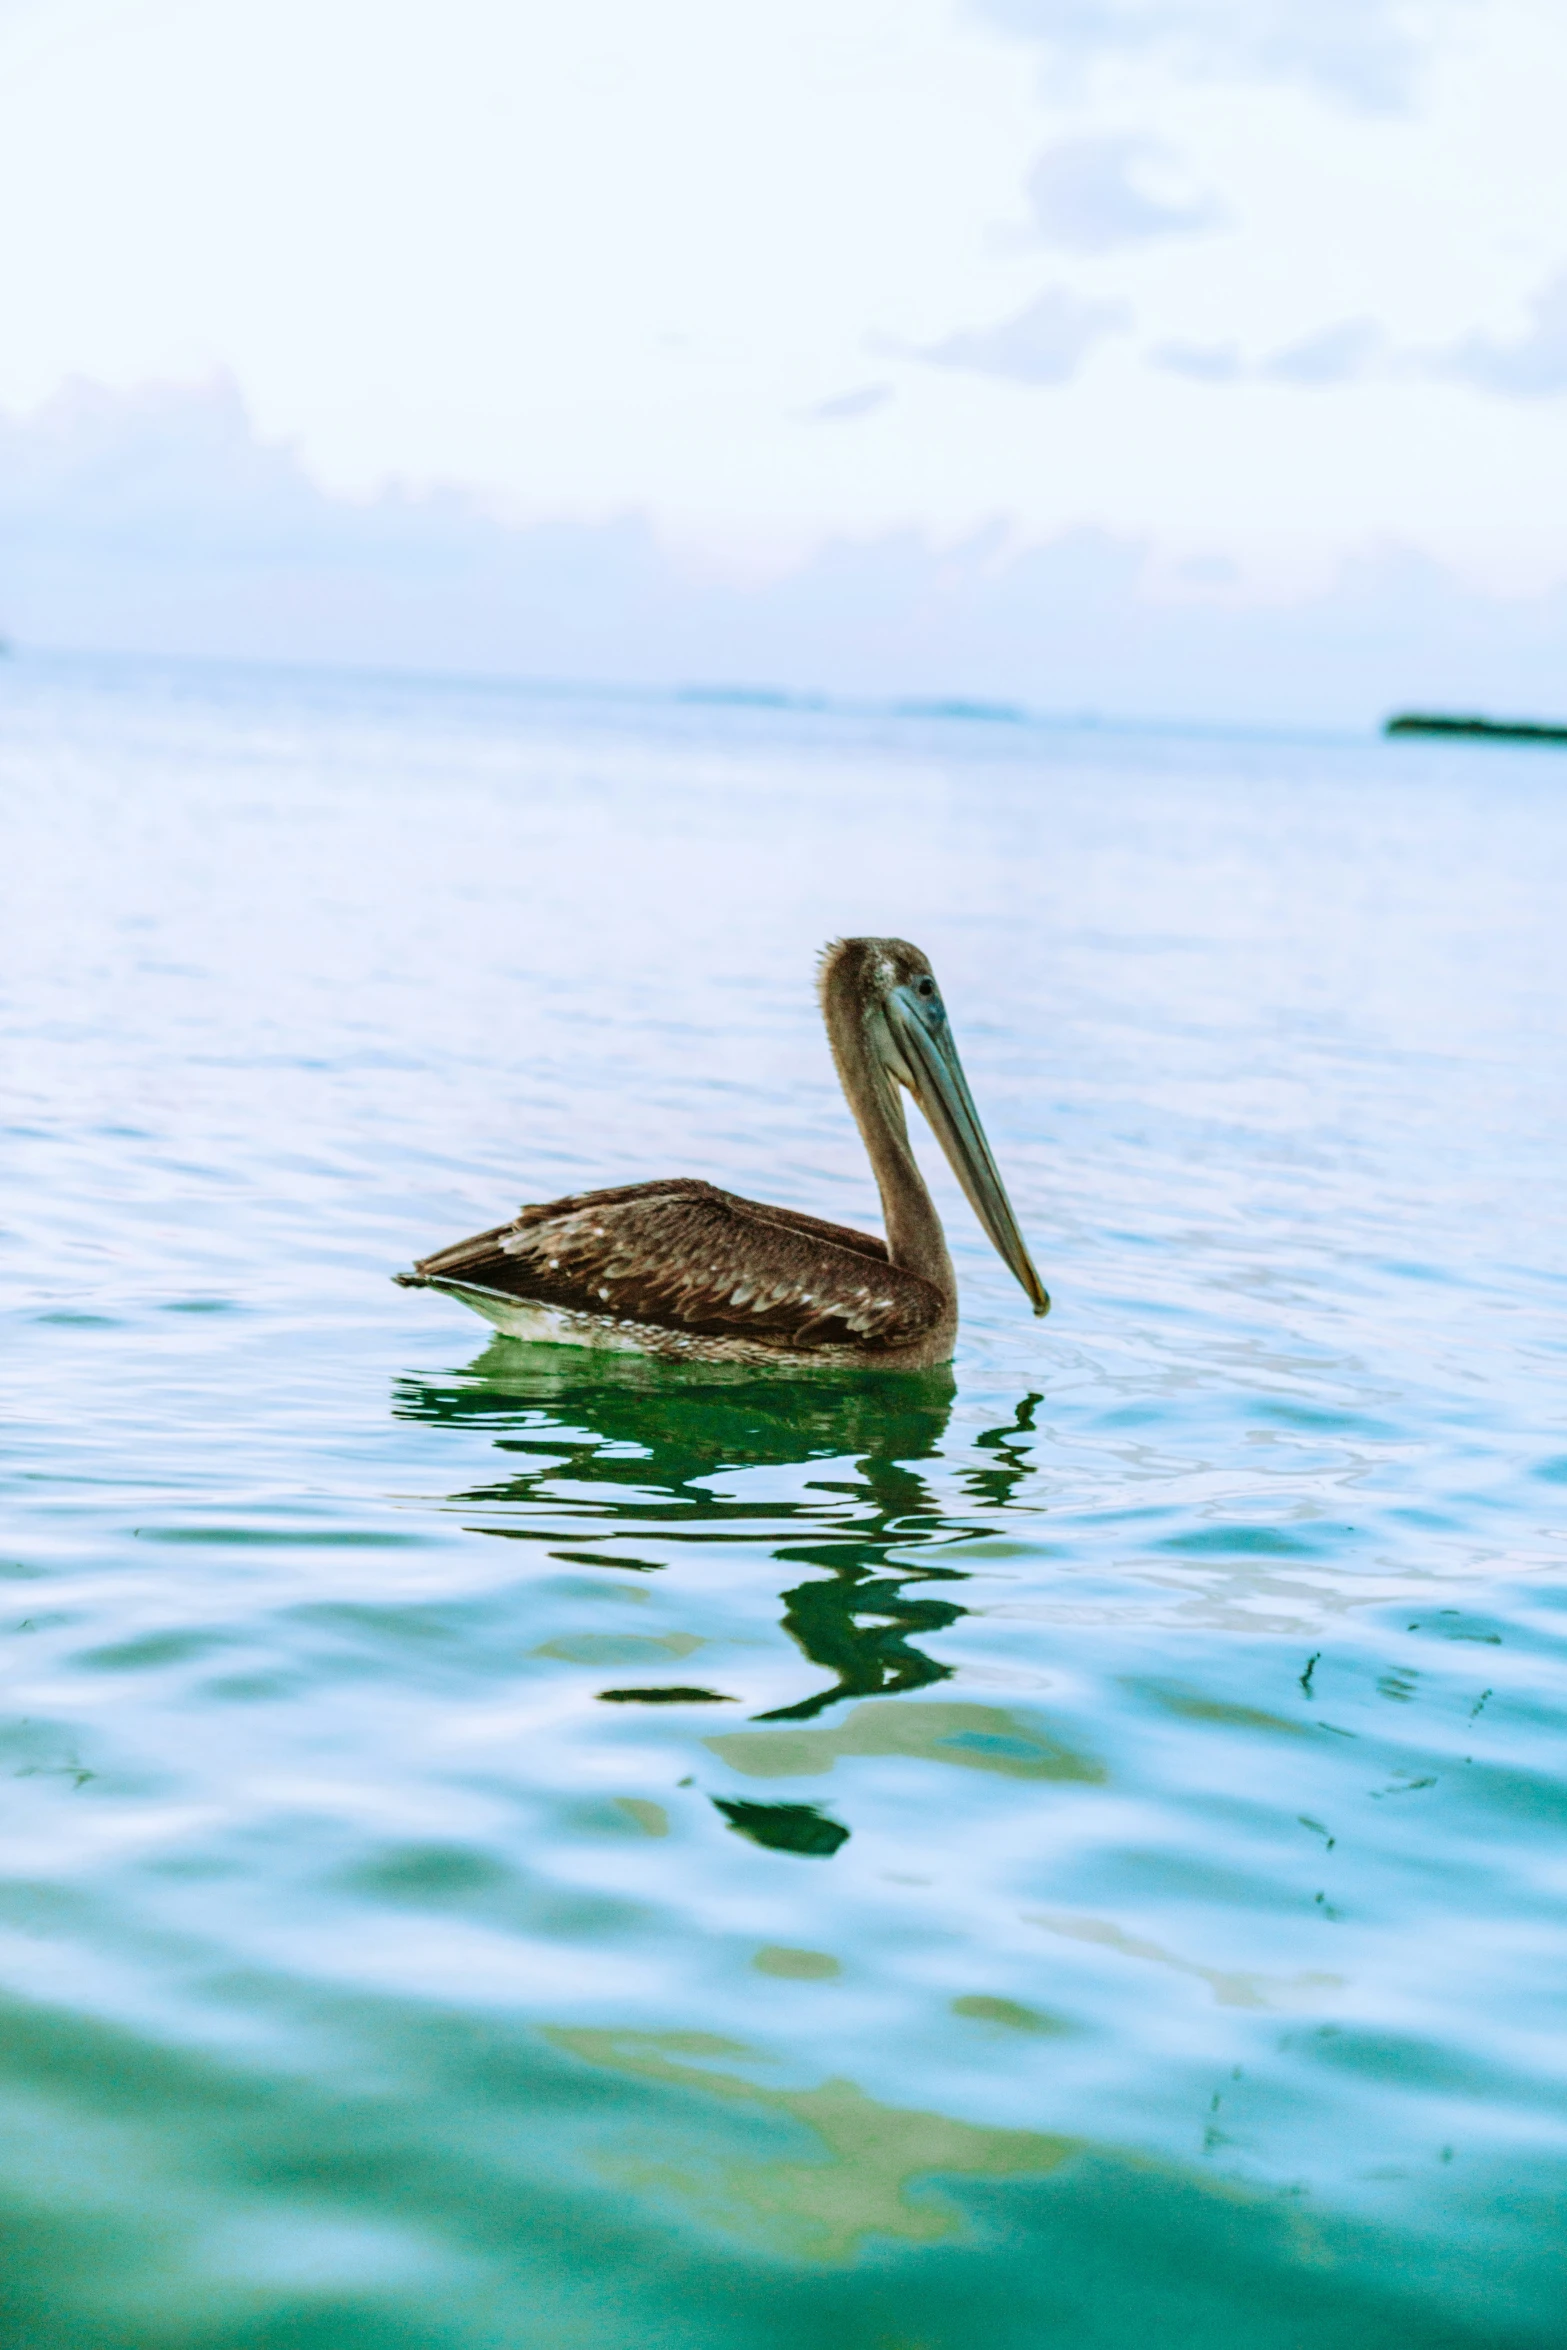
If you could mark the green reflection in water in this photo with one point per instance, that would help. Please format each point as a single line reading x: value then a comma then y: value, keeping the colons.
x: 651, y: 1818
x: 979, y: 1737
x: 796, y: 1966
x: 1007, y: 2014
x: 1192, y: 1705
x: 677, y: 1693
x: 650, y: 1437
x: 618, y: 1648
x: 784, y: 1827
x: 859, y: 2174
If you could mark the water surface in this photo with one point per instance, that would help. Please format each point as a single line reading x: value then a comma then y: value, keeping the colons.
x: 511, y: 1849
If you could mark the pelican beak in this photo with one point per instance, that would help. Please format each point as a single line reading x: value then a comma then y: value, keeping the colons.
x: 921, y: 1030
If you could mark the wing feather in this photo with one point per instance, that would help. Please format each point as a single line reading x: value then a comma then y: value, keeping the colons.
x: 685, y: 1256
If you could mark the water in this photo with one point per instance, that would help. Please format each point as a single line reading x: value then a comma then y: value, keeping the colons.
x: 510, y: 1849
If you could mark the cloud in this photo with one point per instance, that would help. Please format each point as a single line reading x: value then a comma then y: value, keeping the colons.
x: 1334, y: 355
x: 111, y: 467
x: 847, y: 405
x: 160, y: 523
x: 1208, y: 363
x: 1090, y: 195
x: 1044, y: 344
x: 1362, y: 53
x: 1210, y: 571
x: 1532, y: 367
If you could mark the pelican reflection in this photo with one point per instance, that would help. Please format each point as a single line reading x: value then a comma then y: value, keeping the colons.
x: 607, y: 1462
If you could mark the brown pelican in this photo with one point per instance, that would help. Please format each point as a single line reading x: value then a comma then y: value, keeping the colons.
x: 684, y: 1270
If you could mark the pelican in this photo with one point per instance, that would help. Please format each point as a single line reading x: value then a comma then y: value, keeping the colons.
x: 681, y: 1269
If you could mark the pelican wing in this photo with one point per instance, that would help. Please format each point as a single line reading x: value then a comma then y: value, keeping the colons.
x: 685, y: 1256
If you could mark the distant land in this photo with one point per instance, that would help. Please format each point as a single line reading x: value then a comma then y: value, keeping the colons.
x: 1508, y: 730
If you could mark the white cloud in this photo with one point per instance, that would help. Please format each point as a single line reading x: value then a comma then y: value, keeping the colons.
x: 163, y: 465
x: 1044, y: 344
x: 863, y: 402
x: 1092, y: 195
x: 1532, y: 366
x: 1207, y: 363
x: 159, y: 523
x: 1333, y: 355
x: 640, y: 245
x: 1529, y: 366
x: 1362, y: 52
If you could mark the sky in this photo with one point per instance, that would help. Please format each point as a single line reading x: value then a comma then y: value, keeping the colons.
x: 1256, y: 307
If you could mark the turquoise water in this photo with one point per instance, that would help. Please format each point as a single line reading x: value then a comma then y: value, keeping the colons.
x: 503, y: 1849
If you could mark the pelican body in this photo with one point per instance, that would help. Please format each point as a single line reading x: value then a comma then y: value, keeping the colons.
x: 681, y: 1269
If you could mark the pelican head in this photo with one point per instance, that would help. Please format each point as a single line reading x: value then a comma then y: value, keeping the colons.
x: 886, y: 1020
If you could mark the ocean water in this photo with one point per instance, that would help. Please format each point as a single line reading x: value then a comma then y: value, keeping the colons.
x: 516, y: 1849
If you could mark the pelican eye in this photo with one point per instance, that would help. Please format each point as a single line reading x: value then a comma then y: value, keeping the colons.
x: 926, y: 987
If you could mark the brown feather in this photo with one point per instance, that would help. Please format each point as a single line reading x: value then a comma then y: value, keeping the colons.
x: 683, y: 1256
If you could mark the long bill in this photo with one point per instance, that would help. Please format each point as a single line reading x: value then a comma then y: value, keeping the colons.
x: 922, y: 1031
